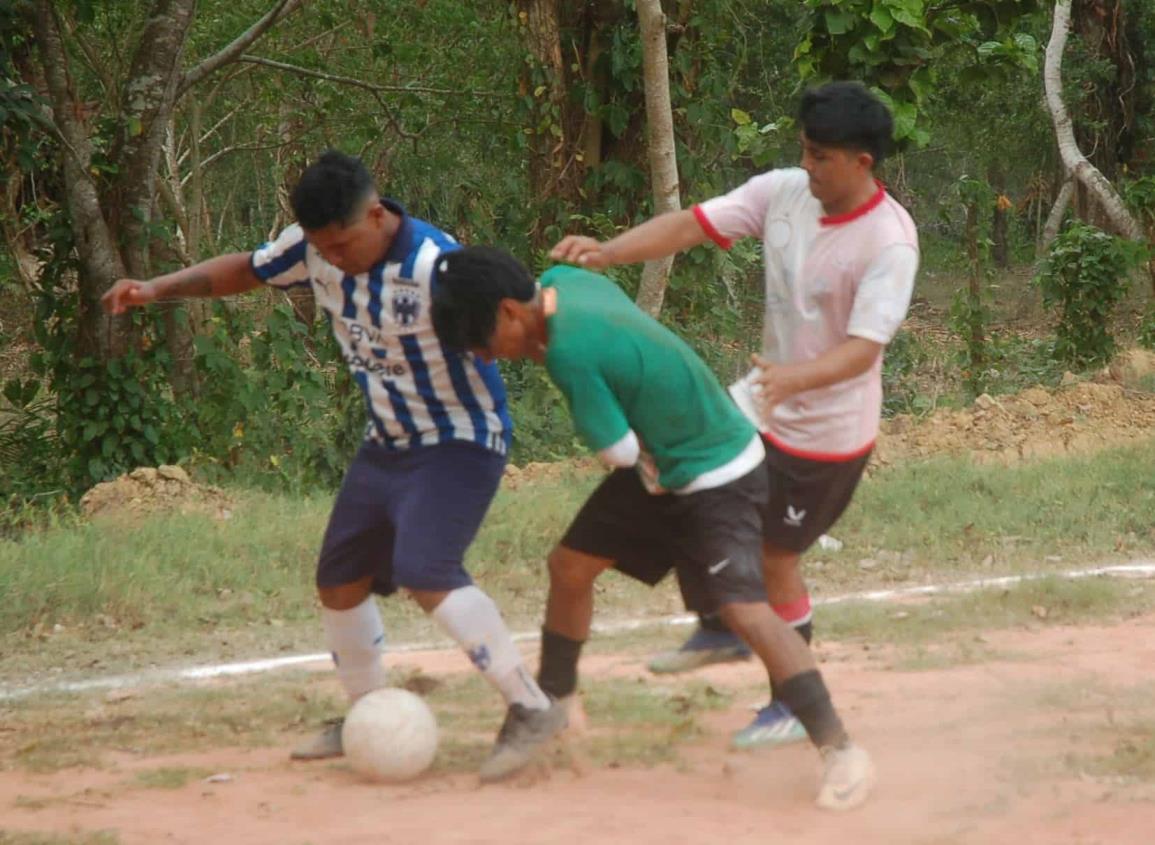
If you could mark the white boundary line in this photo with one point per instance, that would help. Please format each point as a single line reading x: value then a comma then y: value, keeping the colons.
x: 1140, y: 569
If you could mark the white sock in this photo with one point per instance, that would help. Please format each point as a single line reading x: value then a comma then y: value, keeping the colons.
x: 473, y: 620
x: 356, y: 638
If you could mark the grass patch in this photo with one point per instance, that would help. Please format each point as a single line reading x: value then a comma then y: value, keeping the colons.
x: 99, y: 837
x: 1050, y: 600
x: 66, y: 731
x: 936, y: 633
x: 642, y: 722
x: 169, y: 777
x: 188, y: 588
x: 632, y: 723
x: 1131, y: 758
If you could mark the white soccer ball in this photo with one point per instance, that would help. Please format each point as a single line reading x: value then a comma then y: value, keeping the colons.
x: 390, y: 735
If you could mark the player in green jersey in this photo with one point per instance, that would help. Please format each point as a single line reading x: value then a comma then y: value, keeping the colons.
x: 688, y: 484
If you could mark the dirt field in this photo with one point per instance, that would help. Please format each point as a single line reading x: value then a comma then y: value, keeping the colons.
x: 1027, y: 745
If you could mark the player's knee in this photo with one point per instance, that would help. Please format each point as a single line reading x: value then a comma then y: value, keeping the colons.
x: 570, y: 570
x: 344, y: 596
x: 741, y: 617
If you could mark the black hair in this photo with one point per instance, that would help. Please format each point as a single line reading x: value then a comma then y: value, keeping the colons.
x: 848, y: 116
x: 331, y: 190
x: 469, y: 285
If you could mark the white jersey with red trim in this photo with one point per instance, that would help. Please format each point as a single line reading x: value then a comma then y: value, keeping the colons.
x: 827, y: 279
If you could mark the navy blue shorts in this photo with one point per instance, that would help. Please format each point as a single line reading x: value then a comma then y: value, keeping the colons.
x: 407, y: 517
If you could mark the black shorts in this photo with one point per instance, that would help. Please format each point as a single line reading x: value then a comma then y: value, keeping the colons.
x: 713, y: 538
x: 806, y: 496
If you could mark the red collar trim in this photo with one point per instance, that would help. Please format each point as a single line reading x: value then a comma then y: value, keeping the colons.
x: 865, y: 208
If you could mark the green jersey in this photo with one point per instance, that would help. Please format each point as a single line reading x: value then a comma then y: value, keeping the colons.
x: 621, y: 370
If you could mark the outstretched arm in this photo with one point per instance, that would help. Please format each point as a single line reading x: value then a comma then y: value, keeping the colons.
x: 664, y: 235
x: 221, y: 276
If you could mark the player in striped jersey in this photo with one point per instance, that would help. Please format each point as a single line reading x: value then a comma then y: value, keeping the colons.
x: 435, y: 443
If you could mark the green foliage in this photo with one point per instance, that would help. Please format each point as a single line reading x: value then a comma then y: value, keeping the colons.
x: 1146, y: 335
x: 969, y: 316
x: 1084, y: 277
x: 763, y: 144
x: 897, y: 46
x: 970, y: 309
x: 114, y: 416
x: 275, y: 401
x: 542, y: 428
x: 902, y: 362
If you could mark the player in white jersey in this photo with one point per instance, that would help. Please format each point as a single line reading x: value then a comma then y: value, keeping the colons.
x: 435, y: 445
x: 840, y: 260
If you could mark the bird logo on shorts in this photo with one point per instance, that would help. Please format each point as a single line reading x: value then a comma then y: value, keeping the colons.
x: 794, y: 517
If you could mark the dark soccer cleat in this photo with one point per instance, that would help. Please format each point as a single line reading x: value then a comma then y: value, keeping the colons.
x: 323, y: 745
x: 701, y: 649
x: 523, y: 734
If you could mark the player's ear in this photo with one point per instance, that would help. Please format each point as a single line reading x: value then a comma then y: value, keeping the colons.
x: 376, y: 214
x: 866, y: 160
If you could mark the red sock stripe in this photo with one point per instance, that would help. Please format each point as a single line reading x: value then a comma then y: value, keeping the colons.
x: 796, y: 612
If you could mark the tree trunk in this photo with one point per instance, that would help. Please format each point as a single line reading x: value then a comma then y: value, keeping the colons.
x: 1055, y: 218
x: 1000, y: 249
x: 148, y: 97
x: 548, y: 142
x: 660, y: 141
x: 100, y: 263
x: 976, y: 340
x: 1073, y: 159
x: 1108, y: 129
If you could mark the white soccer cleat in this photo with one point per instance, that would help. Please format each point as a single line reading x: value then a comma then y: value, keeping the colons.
x: 847, y: 778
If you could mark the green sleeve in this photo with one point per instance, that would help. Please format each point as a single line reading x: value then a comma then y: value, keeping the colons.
x: 597, y: 415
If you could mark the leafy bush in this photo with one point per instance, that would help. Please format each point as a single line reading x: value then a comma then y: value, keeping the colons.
x: 1084, y: 277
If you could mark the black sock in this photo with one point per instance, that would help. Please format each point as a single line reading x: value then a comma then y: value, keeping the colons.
x: 713, y: 622
x: 806, y: 630
x: 808, y: 699
x: 557, y: 675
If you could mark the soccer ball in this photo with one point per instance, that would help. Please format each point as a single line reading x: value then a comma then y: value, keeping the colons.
x: 390, y: 735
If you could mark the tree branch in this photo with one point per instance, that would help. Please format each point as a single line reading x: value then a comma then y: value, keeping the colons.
x: 233, y: 51
x: 1073, y: 159
x: 369, y: 86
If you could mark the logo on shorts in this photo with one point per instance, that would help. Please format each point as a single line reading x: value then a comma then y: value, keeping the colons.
x: 793, y: 517
x: 719, y: 566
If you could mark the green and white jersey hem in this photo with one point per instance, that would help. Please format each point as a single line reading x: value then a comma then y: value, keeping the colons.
x: 746, y: 461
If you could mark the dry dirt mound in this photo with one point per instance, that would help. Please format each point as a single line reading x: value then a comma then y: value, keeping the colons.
x: 1036, y: 423
x: 147, y: 490
x: 535, y: 471
x: 1132, y: 367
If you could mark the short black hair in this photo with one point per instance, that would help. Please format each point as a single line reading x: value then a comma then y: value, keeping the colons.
x: 469, y: 285
x: 331, y: 190
x: 849, y: 116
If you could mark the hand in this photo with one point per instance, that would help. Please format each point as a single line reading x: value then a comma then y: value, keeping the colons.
x: 583, y: 251
x: 128, y: 293
x: 648, y: 470
x: 774, y: 383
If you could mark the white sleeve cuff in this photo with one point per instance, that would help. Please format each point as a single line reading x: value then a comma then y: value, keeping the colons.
x: 624, y: 453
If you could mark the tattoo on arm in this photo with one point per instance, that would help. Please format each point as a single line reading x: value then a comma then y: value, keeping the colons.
x: 194, y: 284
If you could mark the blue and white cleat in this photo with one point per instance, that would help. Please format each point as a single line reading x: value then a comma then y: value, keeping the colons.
x: 774, y: 725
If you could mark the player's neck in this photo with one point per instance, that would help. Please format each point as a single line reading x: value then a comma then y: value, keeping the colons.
x: 852, y: 200
x: 388, y: 232
x: 545, y: 306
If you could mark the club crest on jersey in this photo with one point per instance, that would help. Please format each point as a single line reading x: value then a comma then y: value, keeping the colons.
x: 406, y: 306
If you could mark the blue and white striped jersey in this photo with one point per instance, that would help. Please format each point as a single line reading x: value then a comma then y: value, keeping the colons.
x: 417, y: 392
